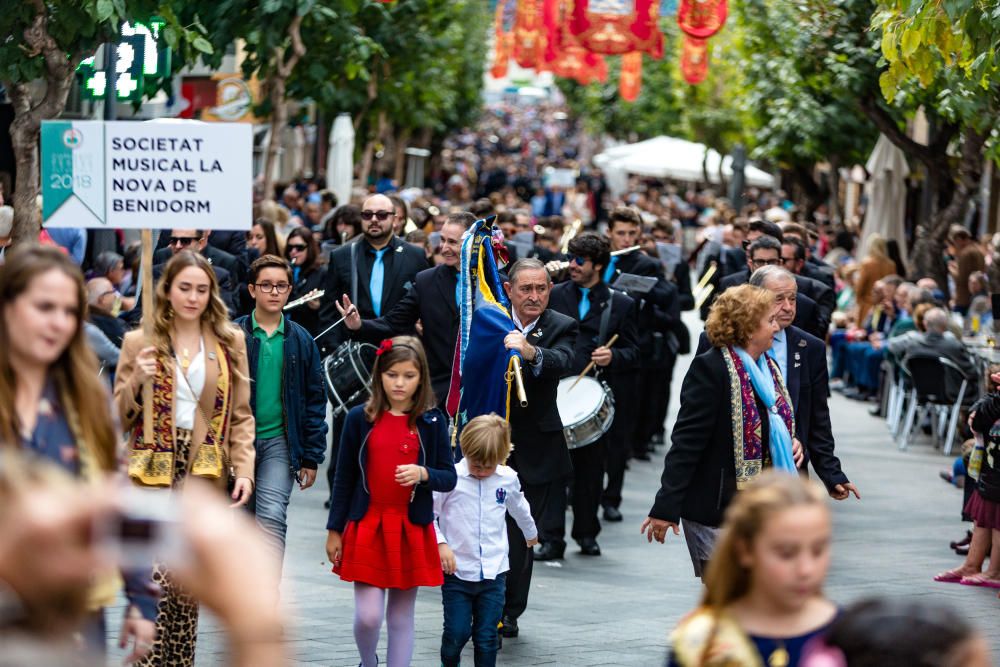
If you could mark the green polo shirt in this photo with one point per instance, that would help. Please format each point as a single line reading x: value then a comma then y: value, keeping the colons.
x: 269, y: 414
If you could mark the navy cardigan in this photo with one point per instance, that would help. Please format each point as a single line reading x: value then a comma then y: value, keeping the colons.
x: 350, y: 488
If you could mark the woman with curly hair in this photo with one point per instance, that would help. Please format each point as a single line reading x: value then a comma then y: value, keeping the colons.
x: 202, y: 423
x: 718, y: 446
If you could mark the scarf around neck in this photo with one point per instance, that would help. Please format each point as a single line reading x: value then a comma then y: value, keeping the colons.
x: 747, y: 379
x: 151, y: 461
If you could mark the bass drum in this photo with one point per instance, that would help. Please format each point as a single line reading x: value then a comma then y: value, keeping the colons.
x: 586, y: 410
x: 348, y: 373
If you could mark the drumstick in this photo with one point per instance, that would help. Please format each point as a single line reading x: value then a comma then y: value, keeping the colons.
x: 591, y: 364
x: 349, y: 312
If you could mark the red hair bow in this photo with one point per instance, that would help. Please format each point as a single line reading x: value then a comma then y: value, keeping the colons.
x: 384, y: 347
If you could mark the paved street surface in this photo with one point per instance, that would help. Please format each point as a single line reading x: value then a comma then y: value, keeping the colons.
x: 617, y: 609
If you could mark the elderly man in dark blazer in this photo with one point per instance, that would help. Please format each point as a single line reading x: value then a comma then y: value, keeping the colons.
x: 802, y: 359
x: 546, y: 341
x: 432, y: 301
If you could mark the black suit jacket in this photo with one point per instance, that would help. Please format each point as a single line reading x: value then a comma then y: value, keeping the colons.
x: 540, y: 455
x: 808, y: 384
x: 405, y: 263
x: 215, y: 257
x: 699, y: 470
x: 432, y: 301
x: 658, y: 309
x: 565, y: 299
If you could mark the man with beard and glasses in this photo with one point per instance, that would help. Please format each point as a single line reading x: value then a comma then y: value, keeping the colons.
x: 374, y: 272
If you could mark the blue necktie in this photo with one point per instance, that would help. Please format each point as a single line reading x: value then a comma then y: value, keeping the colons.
x: 609, y: 272
x: 375, y: 285
x: 584, y: 302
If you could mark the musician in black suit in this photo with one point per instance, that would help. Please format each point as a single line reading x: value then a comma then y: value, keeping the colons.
x: 224, y: 264
x: 602, y: 313
x: 375, y: 271
x: 546, y: 342
x: 802, y: 360
x: 766, y: 251
x: 384, y: 269
x: 658, y: 312
x: 432, y: 301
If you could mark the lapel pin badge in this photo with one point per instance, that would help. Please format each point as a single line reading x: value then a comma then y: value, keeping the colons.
x: 399, y: 248
x: 796, y: 365
x: 802, y: 343
x: 797, y: 357
x: 538, y: 332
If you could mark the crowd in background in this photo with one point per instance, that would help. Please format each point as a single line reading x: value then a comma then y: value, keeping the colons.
x: 529, y: 166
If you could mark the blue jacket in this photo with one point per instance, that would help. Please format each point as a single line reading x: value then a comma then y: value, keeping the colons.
x: 350, y: 488
x: 302, y: 391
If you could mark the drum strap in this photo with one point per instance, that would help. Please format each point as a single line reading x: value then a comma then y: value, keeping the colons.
x: 602, y: 333
x: 354, y: 272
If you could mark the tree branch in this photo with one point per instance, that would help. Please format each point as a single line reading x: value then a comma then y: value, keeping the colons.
x: 283, y: 66
x: 886, y: 124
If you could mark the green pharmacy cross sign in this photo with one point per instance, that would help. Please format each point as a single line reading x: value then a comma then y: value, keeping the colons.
x: 139, y: 56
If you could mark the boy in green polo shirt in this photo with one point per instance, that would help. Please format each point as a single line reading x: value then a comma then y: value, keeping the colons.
x: 287, y: 396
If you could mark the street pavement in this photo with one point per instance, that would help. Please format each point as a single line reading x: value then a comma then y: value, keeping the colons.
x: 617, y: 609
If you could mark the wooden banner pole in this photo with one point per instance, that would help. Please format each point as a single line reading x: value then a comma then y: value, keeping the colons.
x: 146, y: 266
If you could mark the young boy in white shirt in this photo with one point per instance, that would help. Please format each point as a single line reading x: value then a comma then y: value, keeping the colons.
x: 472, y: 539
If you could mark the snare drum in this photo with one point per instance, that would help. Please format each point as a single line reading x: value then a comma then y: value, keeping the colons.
x: 348, y: 373
x: 586, y: 411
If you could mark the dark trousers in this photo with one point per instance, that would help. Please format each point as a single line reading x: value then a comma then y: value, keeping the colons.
x: 335, y: 430
x: 544, y: 507
x: 654, y: 392
x: 618, y: 441
x: 661, y: 399
x: 471, y: 609
x: 586, y: 485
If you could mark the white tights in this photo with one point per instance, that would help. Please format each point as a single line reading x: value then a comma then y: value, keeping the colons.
x: 369, y: 609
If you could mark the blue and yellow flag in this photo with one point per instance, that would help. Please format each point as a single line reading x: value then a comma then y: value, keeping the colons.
x: 482, y: 370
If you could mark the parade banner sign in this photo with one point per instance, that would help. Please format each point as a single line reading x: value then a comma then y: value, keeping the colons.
x: 151, y: 175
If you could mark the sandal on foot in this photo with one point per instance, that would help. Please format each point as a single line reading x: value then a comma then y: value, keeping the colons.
x: 949, y: 577
x: 980, y: 580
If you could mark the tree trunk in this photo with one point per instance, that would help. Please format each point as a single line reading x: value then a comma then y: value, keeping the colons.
x: 279, y: 116
x: 802, y: 176
x: 367, y: 157
x: 402, y: 143
x: 27, y: 124
x: 284, y: 63
x: 931, y: 238
x: 834, y: 199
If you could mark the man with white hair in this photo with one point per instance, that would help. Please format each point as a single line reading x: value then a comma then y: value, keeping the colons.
x: 935, y: 341
x: 6, y: 229
x: 801, y: 358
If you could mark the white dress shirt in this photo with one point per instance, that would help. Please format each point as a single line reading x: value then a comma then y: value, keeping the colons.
x: 471, y: 519
x: 187, y: 390
x: 536, y: 364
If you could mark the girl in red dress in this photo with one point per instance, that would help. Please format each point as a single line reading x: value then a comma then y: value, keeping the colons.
x: 394, y: 453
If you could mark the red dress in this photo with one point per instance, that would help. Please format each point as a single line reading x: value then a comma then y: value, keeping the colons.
x: 384, y: 548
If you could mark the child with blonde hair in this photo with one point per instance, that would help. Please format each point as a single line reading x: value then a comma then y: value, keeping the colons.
x: 472, y: 539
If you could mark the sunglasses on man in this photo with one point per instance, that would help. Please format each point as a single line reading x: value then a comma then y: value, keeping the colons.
x: 183, y: 241
x: 381, y: 215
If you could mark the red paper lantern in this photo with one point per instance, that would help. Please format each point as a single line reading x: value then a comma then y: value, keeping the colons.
x: 563, y: 53
x: 694, y: 60
x: 503, y: 40
x: 702, y: 18
x: 630, y: 79
x: 529, y: 36
x: 616, y: 27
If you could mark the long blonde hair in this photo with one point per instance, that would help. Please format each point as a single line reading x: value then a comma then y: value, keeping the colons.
x: 878, y: 247
x: 216, y: 314
x: 75, y: 373
x: 726, y: 579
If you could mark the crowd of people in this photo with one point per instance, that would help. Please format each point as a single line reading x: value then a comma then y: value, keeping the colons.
x: 229, y: 398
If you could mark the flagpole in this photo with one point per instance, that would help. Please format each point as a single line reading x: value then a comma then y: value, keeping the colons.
x: 519, y: 381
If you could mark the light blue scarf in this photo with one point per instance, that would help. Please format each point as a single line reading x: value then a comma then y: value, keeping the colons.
x: 763, y: 384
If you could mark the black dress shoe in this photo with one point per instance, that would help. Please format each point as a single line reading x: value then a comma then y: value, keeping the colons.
x: 612, y: 514
x: 589, y: 547
x: 509, y: 628
x: 550, y: 551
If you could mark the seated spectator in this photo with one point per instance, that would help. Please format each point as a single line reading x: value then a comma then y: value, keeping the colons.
x: 858, y: 356
x: 107, y: 352
x: 111, y: 265
x: 936, y: 341
x: 6, y: 230
x: 133, y: 253
x: 981, y: 307
x: 104, y: 305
